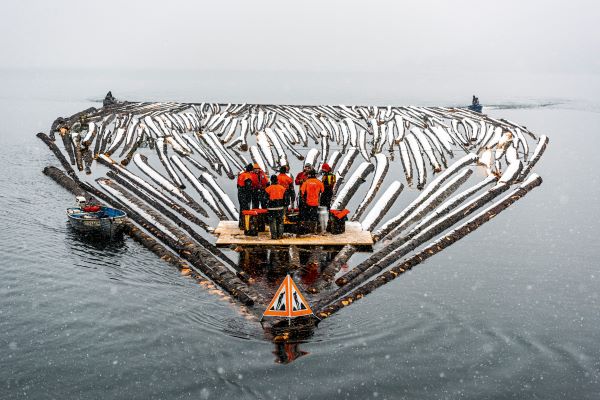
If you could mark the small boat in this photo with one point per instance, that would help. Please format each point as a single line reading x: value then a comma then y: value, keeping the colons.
x: 95, y: 219
x: 475, y: 106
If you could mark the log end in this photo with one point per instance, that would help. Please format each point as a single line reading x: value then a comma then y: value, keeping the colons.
x: 341, y: 281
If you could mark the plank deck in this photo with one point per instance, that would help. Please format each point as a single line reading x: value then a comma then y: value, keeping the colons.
x: 228, y: 233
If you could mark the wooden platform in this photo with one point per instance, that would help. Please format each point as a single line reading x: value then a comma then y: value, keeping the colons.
x: 229, y: 233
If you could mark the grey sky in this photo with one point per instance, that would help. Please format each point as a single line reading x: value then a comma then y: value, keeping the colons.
x: 410, y: 37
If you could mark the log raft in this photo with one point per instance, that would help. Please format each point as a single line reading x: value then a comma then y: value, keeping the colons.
x: 198, y: 257
x: 214, y: 137
x: 130, y: 229
x: 327, y: 309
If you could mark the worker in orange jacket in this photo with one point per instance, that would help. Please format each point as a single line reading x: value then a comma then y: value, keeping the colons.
x: 288, y: 183
x: 310, y: 192
x: 244, y: 187
x: 300, y: 179
x: 259, y: 183
x: 275, y: 206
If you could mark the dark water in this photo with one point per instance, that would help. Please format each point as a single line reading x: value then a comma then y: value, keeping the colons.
x: 511, y: 311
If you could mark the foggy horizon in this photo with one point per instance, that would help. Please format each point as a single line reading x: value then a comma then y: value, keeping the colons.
x: 433, y: 37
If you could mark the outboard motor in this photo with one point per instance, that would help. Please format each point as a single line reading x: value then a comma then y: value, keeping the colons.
x: 80, y: 201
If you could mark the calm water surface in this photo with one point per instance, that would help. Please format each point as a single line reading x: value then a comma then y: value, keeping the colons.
x: 511, y: 311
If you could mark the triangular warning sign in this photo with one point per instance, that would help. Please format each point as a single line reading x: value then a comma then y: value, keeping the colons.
x: 288, y: 301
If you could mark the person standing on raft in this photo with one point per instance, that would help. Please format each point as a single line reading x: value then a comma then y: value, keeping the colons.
x: 259, y: 183
x: 300, y: 179
x: 328, y: 180
x: 288, y: 183
x: 275, y: 207
x: 310, y: 193
x: 244, y: 187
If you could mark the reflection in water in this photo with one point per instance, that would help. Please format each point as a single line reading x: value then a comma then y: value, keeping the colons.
x: 268, y: 266
x: 287, y: 352
x: 95, y: 240
x: 288, y: 334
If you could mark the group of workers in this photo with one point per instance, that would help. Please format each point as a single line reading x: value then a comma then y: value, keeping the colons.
x: 278, y: 194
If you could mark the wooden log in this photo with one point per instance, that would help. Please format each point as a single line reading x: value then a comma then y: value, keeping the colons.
x: 127, y: 159
x: 183, y: 244
x: 433, y: 201
x: 137, y: 180
x: 429, y: 190
x: 416, y: 237
x: 405, y: 160
x: 447, y: 207
x: 196, y: 255
x: 206, y: 195
x: 211, y: 247
x: 376, y: 262
x: 54, y: 148
x: 327, y: 310
x: 130, y: 229
x: 142, y: 163
x: 99, y: 139
x: 380, y: 172
x: 344, y: 167
x: 382, y: 206
x: 147, y: 197
x: 76, y: 138
x: 329, y: 272
x: 537, y: 154
x: 88, y: 159
x: 59, y: 177
x: 161, y: 251
x: 88, y: 139
x: 163, y: 157
x: 403, y: 245
x: 349, y: 189
x: 106, y: 137
x: 68, y: 144
x: 108, y: 162
x: 225, y: 201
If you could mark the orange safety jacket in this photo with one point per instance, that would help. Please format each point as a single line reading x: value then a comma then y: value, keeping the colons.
x: 243, y: 177
x: 311, y: 189
x: 259, y: 180
x: 275, y: 193
x: 285, y: 181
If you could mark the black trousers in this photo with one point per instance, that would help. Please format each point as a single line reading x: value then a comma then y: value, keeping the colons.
x: 325, y: 200
x: 244, y: 198
x: 289, y: 198
x: 276, y: 223
x: 309, y: 215
x: 259, y: 199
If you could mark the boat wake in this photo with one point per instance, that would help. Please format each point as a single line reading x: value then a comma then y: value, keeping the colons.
x: 524, y: 106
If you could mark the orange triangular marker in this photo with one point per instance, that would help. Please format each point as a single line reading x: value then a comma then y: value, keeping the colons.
x: 288, y: 301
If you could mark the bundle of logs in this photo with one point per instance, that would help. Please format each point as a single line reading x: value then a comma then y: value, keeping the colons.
x: 185, y: 155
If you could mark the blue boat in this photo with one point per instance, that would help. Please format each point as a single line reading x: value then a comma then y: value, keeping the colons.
x: 98, y: 220
x: 475, y: 106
